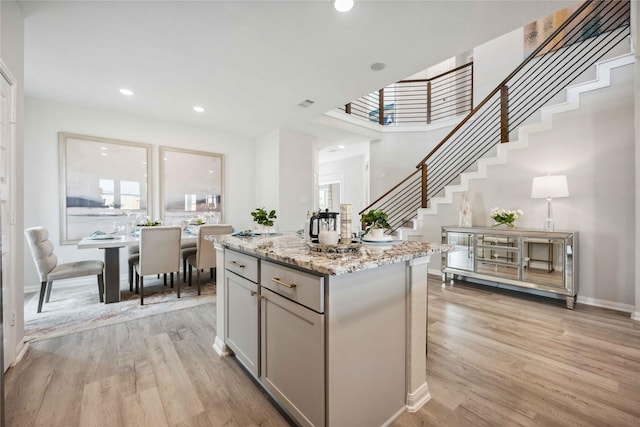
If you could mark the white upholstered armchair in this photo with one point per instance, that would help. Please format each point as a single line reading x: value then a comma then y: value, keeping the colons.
x: 49, y: 269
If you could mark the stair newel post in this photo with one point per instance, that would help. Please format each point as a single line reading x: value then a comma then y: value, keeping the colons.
x: 381, y: 106
x: 347, y: 108
x: 504, y: 113
x: 424, y: 185
x: 428, y: 102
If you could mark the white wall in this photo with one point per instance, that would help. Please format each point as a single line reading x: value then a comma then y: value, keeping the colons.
x: 267, y: 166
x: 44, y: 119
x: 298, y: 163
x: 350, y: 172
x: 395, y: 156
x: 494, y: 61
x: 594, y: 147
x: 635, y: 24
x: 286, y: 176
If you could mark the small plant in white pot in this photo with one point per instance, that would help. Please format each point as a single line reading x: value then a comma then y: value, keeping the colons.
x: 375, y: 222
x: 264, y: 218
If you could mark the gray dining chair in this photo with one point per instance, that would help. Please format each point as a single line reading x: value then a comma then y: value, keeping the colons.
x: 159, y: 254
x: 133, y: 252
x: 49, y: 269
x: 204, y: 257
x: 186, y: 250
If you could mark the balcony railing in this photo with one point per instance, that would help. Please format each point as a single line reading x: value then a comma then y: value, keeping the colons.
x: 418, y: 101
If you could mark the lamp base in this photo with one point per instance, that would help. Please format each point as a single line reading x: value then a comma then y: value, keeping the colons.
x: 548, y: 224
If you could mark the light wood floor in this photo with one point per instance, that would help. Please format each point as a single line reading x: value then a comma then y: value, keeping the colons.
x: 495, y: 358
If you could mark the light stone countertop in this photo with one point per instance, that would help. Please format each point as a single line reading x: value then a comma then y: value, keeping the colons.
x: 293, y: 250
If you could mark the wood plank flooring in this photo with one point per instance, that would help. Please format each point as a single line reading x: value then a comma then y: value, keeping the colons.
x: 496, y: 358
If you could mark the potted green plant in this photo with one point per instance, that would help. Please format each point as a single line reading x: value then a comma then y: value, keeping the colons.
x: 375, y: 222
x: 264, y: 218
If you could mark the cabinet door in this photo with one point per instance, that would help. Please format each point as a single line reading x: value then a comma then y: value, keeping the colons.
x: 241, y: 334
x: 292, y: 357
x: 461, y: 258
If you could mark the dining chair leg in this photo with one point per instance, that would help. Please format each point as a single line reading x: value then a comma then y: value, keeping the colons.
x: 178, y: 288
x: 49, y: 286
x: 190, y: 270
x: 198, y: 279
x: 131, y: 278
x: 43, y: 290
x: 137, y: 280
x: 141, y: 290
x: 211, y: 272
x: 171, y: 275
x: 165, y: 278
x: 184, y: 270
x: 101, y: 287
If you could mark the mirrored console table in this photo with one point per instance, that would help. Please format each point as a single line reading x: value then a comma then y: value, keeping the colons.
x: 526, y: 259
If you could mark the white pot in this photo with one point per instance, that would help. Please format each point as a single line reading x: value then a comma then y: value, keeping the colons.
x: 376, y: 233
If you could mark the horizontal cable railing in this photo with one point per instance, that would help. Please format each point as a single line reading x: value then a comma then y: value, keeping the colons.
x: 592, y: 31
x: 418, y: 101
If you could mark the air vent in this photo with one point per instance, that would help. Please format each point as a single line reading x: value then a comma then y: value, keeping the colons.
x: 305, y: 103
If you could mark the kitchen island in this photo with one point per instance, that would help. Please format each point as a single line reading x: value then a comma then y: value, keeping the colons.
x: 337, y: 339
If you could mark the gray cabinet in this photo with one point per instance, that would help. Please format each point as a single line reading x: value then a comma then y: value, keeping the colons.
x: 241, y: 334
x: 526, y: 259
x: 292, y: 366
x: 241, y: 308
x: 292, y: 357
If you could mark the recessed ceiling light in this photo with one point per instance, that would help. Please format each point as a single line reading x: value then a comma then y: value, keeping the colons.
x: 341, y: 146
x: 127, y: 92
x: 198, y: 109
x: 343, y: 5
x: 377, y: 66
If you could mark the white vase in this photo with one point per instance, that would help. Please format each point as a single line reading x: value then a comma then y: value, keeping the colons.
x: 376, y: 233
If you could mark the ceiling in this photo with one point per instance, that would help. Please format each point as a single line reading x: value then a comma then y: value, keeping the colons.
x: 248, y: 63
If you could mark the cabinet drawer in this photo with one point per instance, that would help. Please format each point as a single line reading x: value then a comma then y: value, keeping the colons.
x: 241, y: 264
x: 303, y: 288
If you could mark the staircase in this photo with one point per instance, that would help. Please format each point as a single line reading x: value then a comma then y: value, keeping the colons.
x: 501, y: 122
x: 415, y: 231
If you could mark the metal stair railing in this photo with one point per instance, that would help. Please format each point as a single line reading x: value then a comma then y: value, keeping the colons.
x: 592, y: 31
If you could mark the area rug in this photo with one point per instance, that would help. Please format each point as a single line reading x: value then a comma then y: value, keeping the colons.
x: 77, y: 308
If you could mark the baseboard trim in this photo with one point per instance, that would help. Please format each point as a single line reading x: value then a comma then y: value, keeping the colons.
x: 22, y: 350
x: 596, y: 302
x: 635, y: 315
x: 221, y: 348
x: 417, y: 398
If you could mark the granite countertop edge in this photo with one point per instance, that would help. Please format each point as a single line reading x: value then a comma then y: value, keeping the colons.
x: 292, y: 249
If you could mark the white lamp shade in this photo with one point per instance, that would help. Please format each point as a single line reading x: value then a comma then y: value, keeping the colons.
x: 549, y: 186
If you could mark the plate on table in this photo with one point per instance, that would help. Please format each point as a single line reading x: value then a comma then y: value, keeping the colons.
x: 386, y: 241
x: 102, y: 237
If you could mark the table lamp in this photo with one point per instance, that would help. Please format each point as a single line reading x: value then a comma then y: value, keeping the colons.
x: 548, y: 187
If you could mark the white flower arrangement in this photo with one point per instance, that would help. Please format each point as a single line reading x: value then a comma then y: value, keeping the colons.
x: 506, y: 217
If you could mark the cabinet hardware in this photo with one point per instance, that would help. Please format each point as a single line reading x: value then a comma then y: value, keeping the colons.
x: 236, y: 264
x: 280, y: 282
x: 253, y: 293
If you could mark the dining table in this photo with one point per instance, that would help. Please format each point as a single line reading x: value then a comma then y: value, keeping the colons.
x: 111, y: 245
